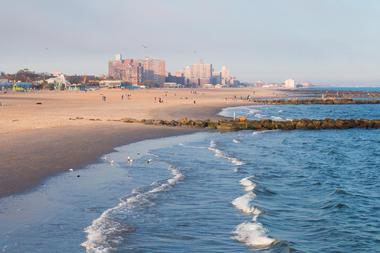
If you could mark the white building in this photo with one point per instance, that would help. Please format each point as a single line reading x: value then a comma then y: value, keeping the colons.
x: 290, y: 84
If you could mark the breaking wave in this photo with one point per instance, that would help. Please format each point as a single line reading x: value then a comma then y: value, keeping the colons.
x: 253, y: 234
x: 106, y: 232
x: 220, y: 153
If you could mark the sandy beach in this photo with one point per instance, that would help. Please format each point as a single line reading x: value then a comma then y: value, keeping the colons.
x: 48, y: 132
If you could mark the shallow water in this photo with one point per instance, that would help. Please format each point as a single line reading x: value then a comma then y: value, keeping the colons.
x: 269, y: 191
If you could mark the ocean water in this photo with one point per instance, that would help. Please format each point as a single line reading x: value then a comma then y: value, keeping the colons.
x: 288, y: 112
x: 345, y: 88
x: 248, y: 191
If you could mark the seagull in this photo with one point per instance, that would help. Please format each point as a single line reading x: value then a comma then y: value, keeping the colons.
x: 144, y: 46
x: 71, y: 170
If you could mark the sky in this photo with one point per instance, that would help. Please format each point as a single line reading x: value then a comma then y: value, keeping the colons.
x: 319, y: 41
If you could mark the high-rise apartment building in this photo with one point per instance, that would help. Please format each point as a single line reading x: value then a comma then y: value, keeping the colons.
x: 127, y: 70
x: 198, y: 74
x: 147, y: 71
x: 154, y: 71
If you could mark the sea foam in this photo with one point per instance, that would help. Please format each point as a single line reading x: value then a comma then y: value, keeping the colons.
x: 252, y: 234
x: 248, y: 184
x: 220, y: 153
x: 104, y: 232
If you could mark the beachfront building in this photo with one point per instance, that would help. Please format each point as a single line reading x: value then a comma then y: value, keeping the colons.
x: 224, y: 78
x: 148, y: 71
x: 177, y: 78
x: 290, y: 84
x: 154, y: 71
x: 216, y: 78
x: 128, y: 70
x: 171, y: 85
x: 198, y: 74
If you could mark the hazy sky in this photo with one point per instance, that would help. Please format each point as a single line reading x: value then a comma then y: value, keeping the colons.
x: 323, y: 41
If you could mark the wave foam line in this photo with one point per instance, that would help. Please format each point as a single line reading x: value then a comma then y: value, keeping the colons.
x: 252, y: 234
x: 248, y: 184
x: 104, y: 232
x: 220, y: 153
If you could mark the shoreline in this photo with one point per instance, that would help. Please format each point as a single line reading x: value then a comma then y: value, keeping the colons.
x: 25, y: 167
x: 39, y: 140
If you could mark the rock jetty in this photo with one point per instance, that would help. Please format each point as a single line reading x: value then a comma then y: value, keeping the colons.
x: 265, y: 124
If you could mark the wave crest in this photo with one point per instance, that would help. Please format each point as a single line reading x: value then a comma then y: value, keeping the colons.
x: 106, y: 232
x: 220, y: 153
x: 252, y: 234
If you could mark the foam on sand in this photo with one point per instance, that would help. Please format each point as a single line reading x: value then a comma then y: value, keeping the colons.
x: 220, y: 153
x: 105, y: 232
x: 253, y: 234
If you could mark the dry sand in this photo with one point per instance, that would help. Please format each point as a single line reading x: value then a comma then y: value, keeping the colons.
x: 38, y: 137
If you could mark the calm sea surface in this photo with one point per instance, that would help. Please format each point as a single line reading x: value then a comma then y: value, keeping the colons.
x: 270, y: 191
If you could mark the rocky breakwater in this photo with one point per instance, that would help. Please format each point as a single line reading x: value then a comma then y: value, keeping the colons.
x: 327, y: 101
x: 265, y: 124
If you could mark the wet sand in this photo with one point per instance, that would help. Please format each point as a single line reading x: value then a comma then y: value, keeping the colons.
x: 29, y: 157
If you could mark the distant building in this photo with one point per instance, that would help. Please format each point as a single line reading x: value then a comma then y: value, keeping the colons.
x: 290, y: 84
x: 207, y: 85
x: 147, y: 71
x: 110, y: 83
x: 216, y: 78
x: 225, y: 75
x: 171, y: 85
x: 127, y: 70
x: 198, y: 74
x: 178, y: 78
x: 306, y: 84
x: 154, y: 71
